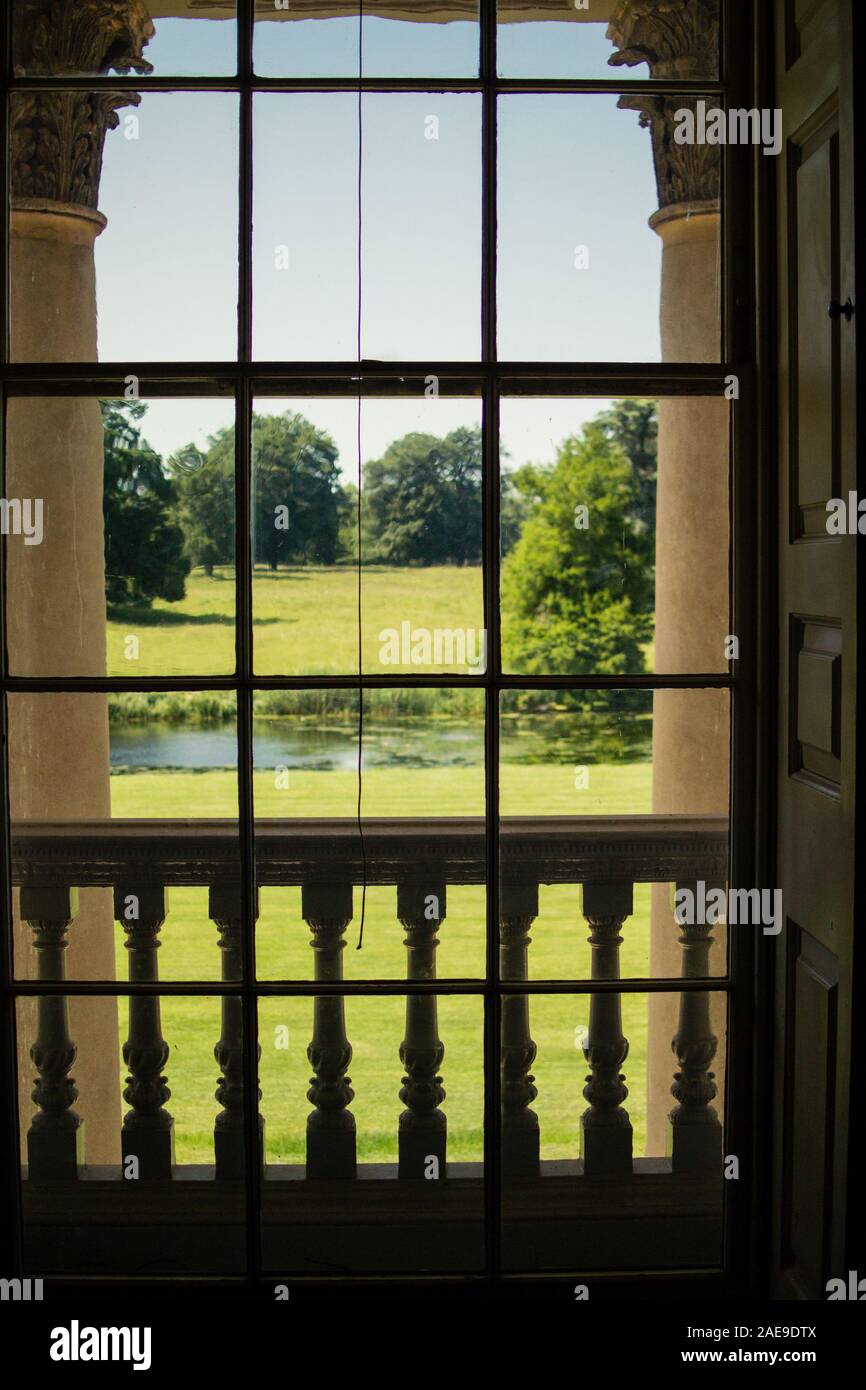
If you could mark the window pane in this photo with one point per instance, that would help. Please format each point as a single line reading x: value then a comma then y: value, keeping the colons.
x: 421, y: 588
x: 396, y: 1088
x: 422, y: 855
x: 140, y: 1121
x: 311, y: 39
x: 120, y: 557
x: 609, y: 511
x: 421, y: 235
x: 564, y: 38
x: 594, y: 1126
x: 158, y: 230
x: 102, y: 792
x: 605, y: 275
x: 165, y: 38
x: 626, y: 787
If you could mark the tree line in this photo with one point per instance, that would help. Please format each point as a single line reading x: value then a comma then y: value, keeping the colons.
x: 576, y: 534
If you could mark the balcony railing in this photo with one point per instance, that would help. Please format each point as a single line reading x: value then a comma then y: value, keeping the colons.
x: 139, y: 860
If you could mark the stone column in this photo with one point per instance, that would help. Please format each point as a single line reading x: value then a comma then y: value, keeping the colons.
x: 56, y: 590
x: 690, y: 729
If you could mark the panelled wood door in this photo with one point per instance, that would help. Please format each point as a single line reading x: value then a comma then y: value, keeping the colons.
x: 817, y: 645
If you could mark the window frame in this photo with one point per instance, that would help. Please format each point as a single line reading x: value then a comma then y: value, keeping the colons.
x: 744, y: 253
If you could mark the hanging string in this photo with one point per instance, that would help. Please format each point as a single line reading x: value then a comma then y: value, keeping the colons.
x: 358, y: 442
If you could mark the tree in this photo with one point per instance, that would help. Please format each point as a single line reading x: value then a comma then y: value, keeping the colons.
x: 206, y: 483
x: 577, y: 589
x: 634, y: 426
x: 422, y: 500
x: 144, y: 546
x: 297, y: 497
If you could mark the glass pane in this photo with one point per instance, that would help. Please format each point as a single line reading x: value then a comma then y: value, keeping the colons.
x: 570, y: 39
x: 165, y: 38
x: 126, y: 799
x: 140, y: 1130
x: 310, y: 39
x: 359, y: 1093
x: 157, y: 229
x: 606, y: 510
x: 624, y: 790
x: 421, y: 263
x: 421, y: 588
x: 606, y: 275
x: 422, y: 854
x: 120, y: 553
x: 601, y: 1171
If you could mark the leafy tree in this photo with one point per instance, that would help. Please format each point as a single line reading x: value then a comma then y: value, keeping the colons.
x: 206, y: 483
x: 634, y: 426
x: 422, y: 500
x: 144, y: 546
x: 297, y: 491
x: 577, y: 589
x: 297, y: 503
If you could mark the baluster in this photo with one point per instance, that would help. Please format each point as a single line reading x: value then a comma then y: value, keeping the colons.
x: 55, y: 1139
x: 605, y: 1127
x: 148, y: 1128
x: 225, y: 909
x: 422, y: 1133
x: 520, y: 1134
x: 327, y: 911
x: 696, y: 1132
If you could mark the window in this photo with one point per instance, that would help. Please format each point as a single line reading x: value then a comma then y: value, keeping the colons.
x: 369, y: 412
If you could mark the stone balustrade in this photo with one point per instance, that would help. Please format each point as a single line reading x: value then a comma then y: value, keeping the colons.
x: 140, y: 860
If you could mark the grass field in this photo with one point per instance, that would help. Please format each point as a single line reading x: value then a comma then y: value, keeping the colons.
x: 305, y: 620
x: 304, y: 623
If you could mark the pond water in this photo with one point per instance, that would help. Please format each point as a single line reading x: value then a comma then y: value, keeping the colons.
x: 392, y: 743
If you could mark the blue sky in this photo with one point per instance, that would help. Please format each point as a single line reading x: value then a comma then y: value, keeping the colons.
x: 573, y: 172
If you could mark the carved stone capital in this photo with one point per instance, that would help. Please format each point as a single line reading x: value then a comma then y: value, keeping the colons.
x: 58, y: 137
x: 677, y: 39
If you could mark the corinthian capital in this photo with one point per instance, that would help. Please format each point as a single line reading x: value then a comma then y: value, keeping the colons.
x: 58, y: 137
x: 679, y: 40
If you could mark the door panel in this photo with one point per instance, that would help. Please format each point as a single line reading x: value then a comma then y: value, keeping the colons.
x: 817, y: 633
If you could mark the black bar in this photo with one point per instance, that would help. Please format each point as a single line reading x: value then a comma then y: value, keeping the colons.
x: 666, y: 378
x: 95, y: 684
x: 312, y: 988
x: 539, y: 85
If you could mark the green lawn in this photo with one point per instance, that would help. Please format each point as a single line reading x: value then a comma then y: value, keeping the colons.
x: 305, y: 620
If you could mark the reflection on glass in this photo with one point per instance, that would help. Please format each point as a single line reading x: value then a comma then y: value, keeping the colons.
x: 124, y: 1098
x: 587, y: 1114
x: 421, y: 232
x: 422, y: 855
x: 584, y: 283
x: 365, y: 1091
x: 609, y: 510
x: 308, y: 39
x: 564, y: 38
x: 165, y: 38
x: 421, y: 600
x: 628, y: 787
x: 123, y: 562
